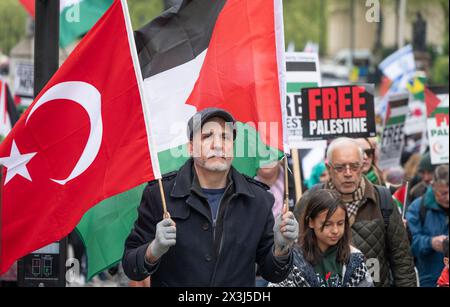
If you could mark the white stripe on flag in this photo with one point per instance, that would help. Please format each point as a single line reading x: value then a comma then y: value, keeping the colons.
x: 399, y: 111
x: 281, y: 60
x: 167, y: 93
x: 137, y: 68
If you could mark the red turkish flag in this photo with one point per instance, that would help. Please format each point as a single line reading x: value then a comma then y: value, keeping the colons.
x: 83, y: 139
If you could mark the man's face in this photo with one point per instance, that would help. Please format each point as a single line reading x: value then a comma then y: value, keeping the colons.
x: 369, y: 154
x: 212, y: 147
x: 441, y: 194
x: 345, y: 168
x: 427, y: 177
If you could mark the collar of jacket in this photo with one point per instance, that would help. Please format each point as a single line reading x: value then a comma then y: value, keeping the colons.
x: 369, y: 192
x: 185, y: 182
x: 430, y: 200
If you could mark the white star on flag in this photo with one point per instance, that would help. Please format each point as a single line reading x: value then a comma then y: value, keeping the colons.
x: 16, y: 163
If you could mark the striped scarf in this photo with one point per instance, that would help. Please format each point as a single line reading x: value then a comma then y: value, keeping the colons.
x: 354, y: 204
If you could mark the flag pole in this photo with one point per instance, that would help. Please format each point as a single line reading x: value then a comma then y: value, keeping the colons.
x: 405, y: 201
x: 150, y: 138
x: 163, y: 198
x: 286, y: 185
x: 297, y: 174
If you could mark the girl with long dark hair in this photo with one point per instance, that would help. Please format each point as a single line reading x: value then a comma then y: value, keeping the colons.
x: 324, y: 256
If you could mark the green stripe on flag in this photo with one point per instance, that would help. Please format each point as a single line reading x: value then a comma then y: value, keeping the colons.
x: 396, y: 120
x: 105, y: 227
x: 296, y: 87
x: 76, y: 20
x: 439, y: 110
x: 398, y: 203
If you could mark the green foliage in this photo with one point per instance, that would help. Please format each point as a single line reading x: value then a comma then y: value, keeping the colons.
x: 12, y: 24
x: 439, y: 72
x: 305, y: 21
x: 143, y: 11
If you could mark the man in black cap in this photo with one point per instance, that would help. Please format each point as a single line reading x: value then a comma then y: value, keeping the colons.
x: 220, y: 223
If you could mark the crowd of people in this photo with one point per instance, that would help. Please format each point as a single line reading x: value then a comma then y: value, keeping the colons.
x: 222, y: 228
x: 351, y: 231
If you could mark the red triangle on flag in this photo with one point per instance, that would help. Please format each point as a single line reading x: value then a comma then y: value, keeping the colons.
x: 240, y: 71
x: 431, y: 101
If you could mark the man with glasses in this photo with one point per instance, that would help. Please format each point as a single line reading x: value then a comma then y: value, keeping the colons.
x: 428, y: 222
x: 377, y: 227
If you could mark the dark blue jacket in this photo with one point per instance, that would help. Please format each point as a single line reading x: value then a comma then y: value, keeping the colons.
x: 429, y: 263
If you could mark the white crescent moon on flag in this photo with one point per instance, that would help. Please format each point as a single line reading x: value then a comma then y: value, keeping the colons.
x: 88, y: 97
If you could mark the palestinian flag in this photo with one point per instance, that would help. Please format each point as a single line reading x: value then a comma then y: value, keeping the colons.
x: 399, y: 197
x: 8, y: 111
x: 397, y: 112
x: 225, y: 53
x: 76, y: 17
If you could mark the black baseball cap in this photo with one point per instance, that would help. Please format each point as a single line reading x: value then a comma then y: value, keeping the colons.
x: 204, y: 116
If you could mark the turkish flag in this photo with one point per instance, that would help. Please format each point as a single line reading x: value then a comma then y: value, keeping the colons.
x: 82, y: 140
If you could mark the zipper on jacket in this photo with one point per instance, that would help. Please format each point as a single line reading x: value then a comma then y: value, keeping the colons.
x: 213, y: 280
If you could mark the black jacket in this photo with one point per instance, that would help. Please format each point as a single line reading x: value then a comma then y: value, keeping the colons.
x: 205, y: 255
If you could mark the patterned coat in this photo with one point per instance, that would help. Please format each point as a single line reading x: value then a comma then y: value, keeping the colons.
x: 355, y: 273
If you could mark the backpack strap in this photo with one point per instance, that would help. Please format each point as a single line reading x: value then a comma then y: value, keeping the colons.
x: 386, y: 203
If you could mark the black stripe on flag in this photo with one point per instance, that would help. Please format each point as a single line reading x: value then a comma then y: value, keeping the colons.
x: 399, y: 103
x: 301, y: 66
x: 177, y: 36
x: 11, y: 107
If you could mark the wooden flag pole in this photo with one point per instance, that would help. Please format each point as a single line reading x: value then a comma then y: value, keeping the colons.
x: 286, y: 185
x: 297, y: 174
x: 166, y: 214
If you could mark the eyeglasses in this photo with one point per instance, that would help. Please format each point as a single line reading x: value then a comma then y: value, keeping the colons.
x: 369, y: 152
x: 340, y: 168
x: 440, y: 193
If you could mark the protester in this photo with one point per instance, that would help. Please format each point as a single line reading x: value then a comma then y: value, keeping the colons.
x: 377, y: 227
x: 220, y: 223
x: 428, y: 223
x: 319, y: 174
x: 370, y: 168
x: 323, y: 257
x: 425, y: 172
x: 394, y: 178
x: 272, y: 174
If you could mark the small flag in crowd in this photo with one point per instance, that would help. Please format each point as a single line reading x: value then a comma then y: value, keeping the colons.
x: 400, y: 67
x: 8, y: 111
